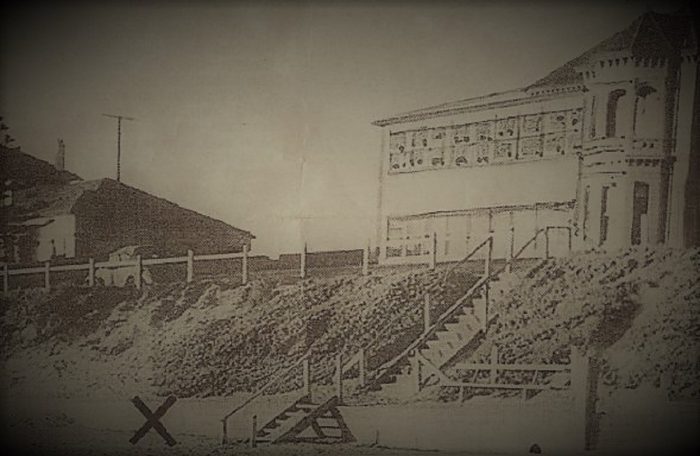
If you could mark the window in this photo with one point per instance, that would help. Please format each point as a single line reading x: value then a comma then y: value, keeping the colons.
x: 394, y: 230
x: 586, y: 212
x: 647, y: 112
x: 593, y: 116
x: 640, y: 207
x: 604, y: 215
x: 612, y: 116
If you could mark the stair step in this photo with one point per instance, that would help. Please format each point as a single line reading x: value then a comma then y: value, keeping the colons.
x: 305, y: 407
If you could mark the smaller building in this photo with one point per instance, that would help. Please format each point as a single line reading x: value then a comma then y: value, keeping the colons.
x: 49, y: 213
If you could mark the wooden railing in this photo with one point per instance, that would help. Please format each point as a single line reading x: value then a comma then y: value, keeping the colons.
x: 429, y: 332
x: 488, y: 240
x: 482, y: 282
x: 494, y: 367
x: 136, y: 264
x: 279, y: 375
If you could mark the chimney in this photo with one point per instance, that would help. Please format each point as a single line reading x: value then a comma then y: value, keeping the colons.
x: 61, y: 156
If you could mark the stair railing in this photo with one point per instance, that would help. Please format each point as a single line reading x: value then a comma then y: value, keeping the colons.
x: 430, y: 331
x: 488, y: 240
x: 359, y: 360
x: 277, y: 376
x: 482, y: 282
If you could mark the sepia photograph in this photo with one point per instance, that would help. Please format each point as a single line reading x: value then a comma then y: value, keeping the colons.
x: 359, y: 228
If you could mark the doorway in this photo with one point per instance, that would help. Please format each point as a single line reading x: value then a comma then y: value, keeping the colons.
x: 640, y: 207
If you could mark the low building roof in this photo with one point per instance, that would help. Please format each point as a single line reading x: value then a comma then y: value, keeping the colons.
x: 55, y: 200
x: 25, y: 170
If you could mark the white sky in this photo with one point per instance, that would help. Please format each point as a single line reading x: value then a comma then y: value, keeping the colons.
x: 233, y: 100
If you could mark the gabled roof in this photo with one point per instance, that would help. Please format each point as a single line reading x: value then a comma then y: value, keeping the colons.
x: 54, y: 200
x: 48, y: 200
x: 25, y: 170
x: 650, y: 35
x: 454, y: 106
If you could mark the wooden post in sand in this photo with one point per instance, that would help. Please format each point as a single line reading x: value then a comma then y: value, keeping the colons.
x: 5, y: 279
x: 302, y: 263
x: 47, y: 275
x: 362, y: 368
x: 244, y: 265
x: 339, y: 377
x: 254, y: 432
x: 190, y: 265
x: 91, y: 272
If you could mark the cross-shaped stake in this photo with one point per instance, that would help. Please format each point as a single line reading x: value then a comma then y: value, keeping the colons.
x: 153, y: 420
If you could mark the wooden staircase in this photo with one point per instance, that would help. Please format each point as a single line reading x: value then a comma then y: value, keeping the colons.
x: 304, y: 421
x: 459, y: 327
x: 450, y: 337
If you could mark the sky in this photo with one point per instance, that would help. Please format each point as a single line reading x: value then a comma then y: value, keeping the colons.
x: 259, y: 114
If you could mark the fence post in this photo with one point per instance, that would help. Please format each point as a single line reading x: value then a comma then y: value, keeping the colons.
x: 47, y: 275
x: 91, y: 272
x: 546, y: 243
x: 339, y: 377
x: 361, y: 367
x: 584, y: 387
x: 190, y: 265
x: 568, y: 228
x: 487, y: 284
x: 433, y: 252
x: 511, y: 250
x: 365, y: 260
x: 487, y: 260
x: 254, y: 434
x: 5, y: 279
x: 426, y: 312
x: 417, y: 373
x: 244, y: 265
x: 302, y: 265
x: 224, y: 432
x: 306, y: 379
x: 494, y: 361
x: 139, y: 267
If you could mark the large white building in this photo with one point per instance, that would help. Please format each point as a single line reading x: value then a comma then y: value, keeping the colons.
x: 607, y: 145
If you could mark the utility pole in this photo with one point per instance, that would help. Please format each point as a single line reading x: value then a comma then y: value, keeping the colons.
x: 119, y: 140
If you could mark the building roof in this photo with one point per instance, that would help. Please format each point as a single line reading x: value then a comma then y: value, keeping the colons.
x: 40, y: 190
x: 25, y: 170
x: 650, y: 35
x: 54, y: 200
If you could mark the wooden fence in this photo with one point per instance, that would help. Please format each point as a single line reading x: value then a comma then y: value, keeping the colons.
x: 580, y: 378
x: 135, y: 267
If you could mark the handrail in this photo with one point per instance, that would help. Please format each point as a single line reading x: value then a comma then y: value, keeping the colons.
x: 476, y: 249
x: 436, y: 370
x: 452, y: 309
x: 277, y: 376
x: 431, y: 330
x: 527, y: 244
x: 354, y: 359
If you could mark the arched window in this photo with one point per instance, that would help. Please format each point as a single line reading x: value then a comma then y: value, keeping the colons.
x: 613, y: 110
x: 647, y: 112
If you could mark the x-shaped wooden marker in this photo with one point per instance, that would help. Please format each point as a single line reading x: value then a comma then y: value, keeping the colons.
x: 153, y: 420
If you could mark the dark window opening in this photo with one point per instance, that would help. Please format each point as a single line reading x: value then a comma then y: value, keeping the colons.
x: 612, y: 114
x: 603, y: 215
x: 640, y: 206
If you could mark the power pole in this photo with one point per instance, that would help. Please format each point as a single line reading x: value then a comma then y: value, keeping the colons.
x: 119, y: 140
